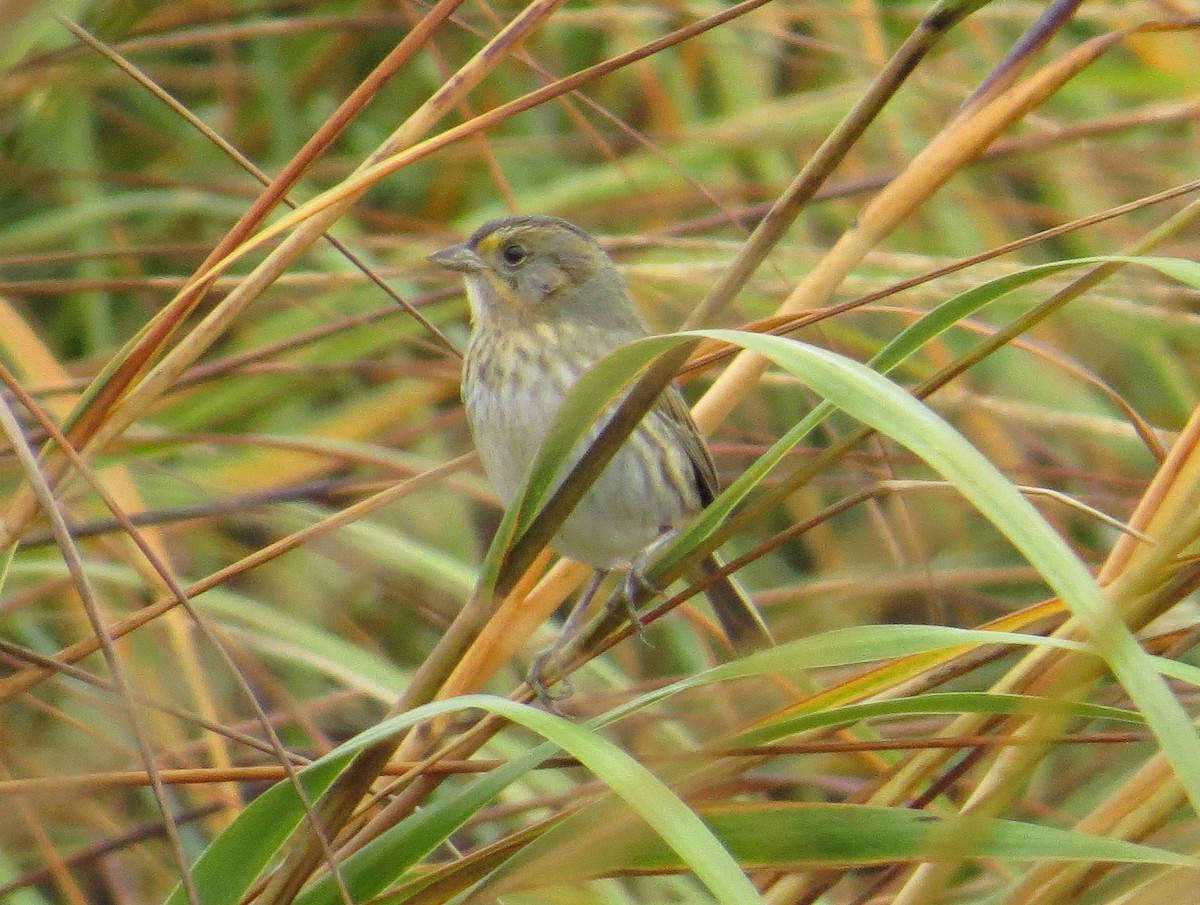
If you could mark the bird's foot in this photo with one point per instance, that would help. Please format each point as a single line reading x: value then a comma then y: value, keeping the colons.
x: 547, y: 663
x: 635, y: 585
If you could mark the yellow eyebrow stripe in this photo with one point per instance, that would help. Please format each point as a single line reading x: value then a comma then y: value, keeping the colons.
x: 488, y: 242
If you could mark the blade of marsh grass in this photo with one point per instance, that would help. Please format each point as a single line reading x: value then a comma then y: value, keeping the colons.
x: 51, y: 226
x: 905, y: 344
x: 225, y: 871
x: 932, y: 703
x: 869, y: 644
x: 228, y: 868
x: 792, y: 835
x: 877, y: 402
x: 797, y: 836
x: 846, y: 647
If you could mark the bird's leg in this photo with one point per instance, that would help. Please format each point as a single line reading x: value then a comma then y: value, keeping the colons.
x: 533, y: 679
x: 566, y: 635
x: 570, y: 628
x: 635, y: 584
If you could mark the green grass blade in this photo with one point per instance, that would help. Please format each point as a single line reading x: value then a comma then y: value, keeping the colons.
x: 886, y: 407
x: 807, y: 835
x: 227, y: 870
x: 926, y: 704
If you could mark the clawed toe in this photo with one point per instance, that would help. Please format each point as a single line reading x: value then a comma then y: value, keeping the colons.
x: 535, y: 680
x: 548, y: 662
x: 635, y: 584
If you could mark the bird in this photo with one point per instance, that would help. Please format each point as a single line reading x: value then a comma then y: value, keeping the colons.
x: 546, y: 303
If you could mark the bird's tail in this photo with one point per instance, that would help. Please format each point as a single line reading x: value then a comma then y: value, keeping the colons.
x: 739, y: 618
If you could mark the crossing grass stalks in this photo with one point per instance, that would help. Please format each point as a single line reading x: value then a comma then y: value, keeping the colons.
x: 957, y: 423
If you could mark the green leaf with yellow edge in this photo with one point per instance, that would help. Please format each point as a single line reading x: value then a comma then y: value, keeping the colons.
x: 922, y: 705
x: 794, y: 835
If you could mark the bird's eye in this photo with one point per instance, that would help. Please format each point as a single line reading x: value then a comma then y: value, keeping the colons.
x: 514, y: 253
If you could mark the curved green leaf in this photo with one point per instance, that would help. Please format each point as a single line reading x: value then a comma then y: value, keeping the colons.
x: 886, y: 407
x: 793, y: 835
x: 228, y: 868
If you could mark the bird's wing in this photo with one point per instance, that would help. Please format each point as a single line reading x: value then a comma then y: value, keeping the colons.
x: 672, y: 407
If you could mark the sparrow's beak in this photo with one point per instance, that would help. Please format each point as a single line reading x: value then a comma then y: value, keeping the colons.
x: 458, y: 257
